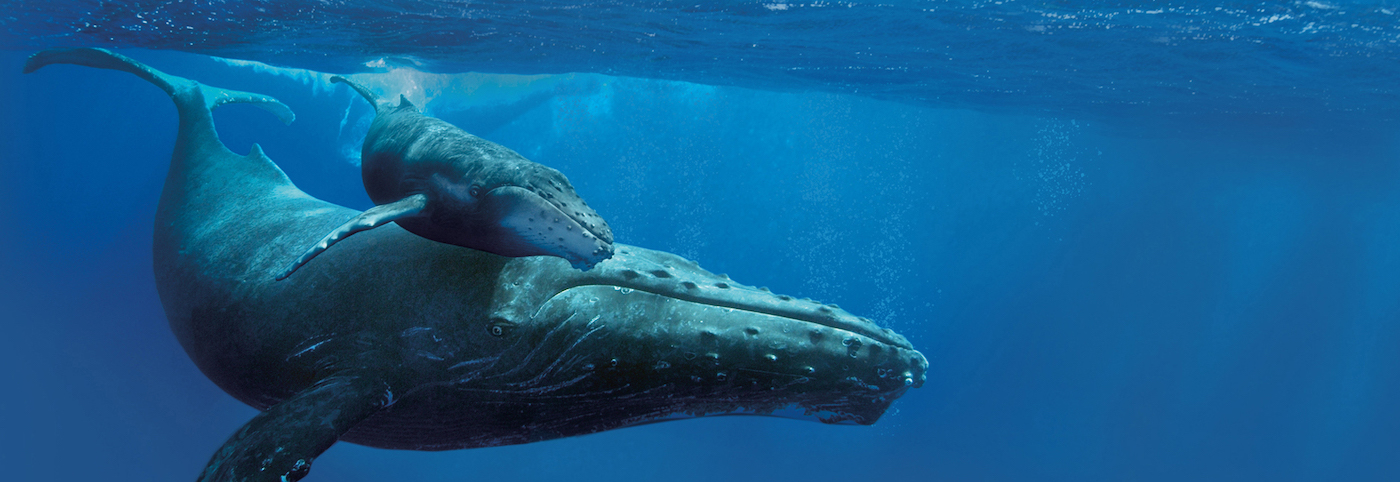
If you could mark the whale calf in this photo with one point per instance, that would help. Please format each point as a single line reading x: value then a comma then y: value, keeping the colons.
x: 439, y: 182
x: 441, y: 347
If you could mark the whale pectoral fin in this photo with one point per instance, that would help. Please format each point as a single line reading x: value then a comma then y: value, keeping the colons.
x: 375, y: 217
x: 280, y: 443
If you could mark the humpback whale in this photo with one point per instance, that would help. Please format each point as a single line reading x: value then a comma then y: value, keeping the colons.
x: 441, y: 183
x: 443, y: 347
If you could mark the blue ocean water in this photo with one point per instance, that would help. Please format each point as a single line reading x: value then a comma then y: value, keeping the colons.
x: 1136, y: 240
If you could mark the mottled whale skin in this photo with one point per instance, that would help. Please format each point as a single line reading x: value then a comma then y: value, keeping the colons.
x: 441, y: 183
x: 440, y: 347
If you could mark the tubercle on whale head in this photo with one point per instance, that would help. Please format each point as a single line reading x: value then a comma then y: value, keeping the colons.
x: 551, y: 185
x: 528, y: 210
x: 530, y: 225
x: 666, y: 339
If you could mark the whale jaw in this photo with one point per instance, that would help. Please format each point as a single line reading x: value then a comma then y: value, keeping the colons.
x: 540, y: 227
x: 586, y: 352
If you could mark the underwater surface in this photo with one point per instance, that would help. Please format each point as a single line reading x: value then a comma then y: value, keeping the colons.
x: 1135, y: 240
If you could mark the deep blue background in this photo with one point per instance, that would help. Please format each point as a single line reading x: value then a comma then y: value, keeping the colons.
x: 1096, y: 302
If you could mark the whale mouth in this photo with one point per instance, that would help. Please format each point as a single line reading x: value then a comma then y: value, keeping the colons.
x: 553, y: 227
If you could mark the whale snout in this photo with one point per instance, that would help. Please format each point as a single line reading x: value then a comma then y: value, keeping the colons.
x: 671, y: 340
x: 553, y: 187
x: 680, y: 358
x: 545, y: 222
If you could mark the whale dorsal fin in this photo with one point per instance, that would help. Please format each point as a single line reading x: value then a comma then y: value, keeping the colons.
x: 405, y: 104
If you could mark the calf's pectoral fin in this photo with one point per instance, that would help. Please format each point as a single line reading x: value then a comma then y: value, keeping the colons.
x: 280, y: 443
x: 375, y: 217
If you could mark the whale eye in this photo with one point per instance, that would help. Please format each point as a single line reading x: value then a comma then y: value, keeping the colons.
x: 499, y: 327
x: 475, y: 190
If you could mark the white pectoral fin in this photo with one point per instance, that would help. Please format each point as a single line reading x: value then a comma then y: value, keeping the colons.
x: 375, y: 217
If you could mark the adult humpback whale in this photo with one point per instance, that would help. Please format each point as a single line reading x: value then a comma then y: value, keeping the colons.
x: 441, y: 183
x: 444, y: 347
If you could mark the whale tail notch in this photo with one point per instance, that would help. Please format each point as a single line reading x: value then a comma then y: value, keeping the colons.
x: 179, y: 89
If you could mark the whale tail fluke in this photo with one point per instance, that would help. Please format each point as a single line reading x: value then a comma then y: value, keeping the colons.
x: 214, y: 97
x: 178, y: 88
x: 368, y: 94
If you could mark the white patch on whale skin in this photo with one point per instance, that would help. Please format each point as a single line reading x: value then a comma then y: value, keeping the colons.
x: 457, y: 190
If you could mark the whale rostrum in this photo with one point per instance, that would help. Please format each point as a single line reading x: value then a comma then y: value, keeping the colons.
x: 391, y: 340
